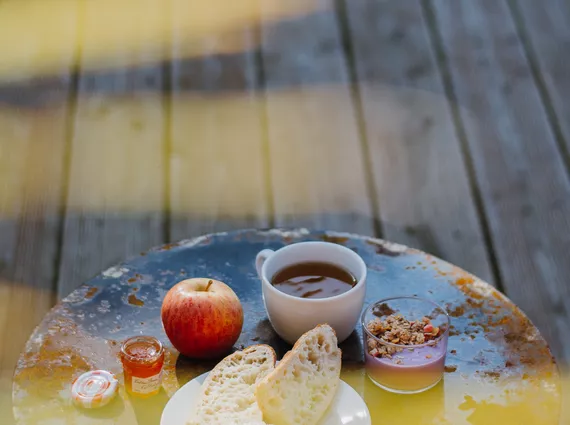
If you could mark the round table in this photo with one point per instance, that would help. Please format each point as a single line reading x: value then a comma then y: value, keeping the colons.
x: 498, y: 366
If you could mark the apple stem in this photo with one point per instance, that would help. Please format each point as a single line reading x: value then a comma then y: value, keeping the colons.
x: 209, y: 284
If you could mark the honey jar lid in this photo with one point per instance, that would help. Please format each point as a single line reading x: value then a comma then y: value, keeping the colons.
x: 93, y: 389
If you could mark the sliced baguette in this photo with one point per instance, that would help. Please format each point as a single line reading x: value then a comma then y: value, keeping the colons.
x: 304, y: 383
x: 228, y: 393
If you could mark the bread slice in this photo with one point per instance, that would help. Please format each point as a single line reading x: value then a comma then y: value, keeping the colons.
x: 303, y: 384
x: 228, y: 393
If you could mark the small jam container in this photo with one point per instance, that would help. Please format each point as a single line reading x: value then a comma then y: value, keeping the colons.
x: 143, y: 361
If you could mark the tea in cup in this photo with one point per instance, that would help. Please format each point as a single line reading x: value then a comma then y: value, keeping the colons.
x: 310, y: 283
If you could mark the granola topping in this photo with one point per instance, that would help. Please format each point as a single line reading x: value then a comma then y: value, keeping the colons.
x: 396, y: 329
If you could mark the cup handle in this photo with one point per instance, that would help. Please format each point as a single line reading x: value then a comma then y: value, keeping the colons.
x: 260, y: 259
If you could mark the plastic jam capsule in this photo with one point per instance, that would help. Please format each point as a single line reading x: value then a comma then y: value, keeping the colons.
x: 143, y: 359
x: 94, y: 389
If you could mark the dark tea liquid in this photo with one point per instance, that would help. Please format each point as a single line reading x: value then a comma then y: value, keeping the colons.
x: 313, y: 280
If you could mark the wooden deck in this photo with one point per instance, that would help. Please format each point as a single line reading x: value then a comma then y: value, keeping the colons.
x: 443, y: 125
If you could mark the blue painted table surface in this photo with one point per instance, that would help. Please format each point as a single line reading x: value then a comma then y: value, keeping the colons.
x: 497, y: 361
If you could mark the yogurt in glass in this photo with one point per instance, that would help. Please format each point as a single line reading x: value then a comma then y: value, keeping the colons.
x: 405, y: 343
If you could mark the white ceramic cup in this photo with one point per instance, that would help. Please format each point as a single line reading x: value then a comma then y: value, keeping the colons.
x: 292, y: 316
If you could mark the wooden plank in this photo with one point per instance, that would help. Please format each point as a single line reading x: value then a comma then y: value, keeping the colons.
x: 32, y: 152
x: 317, y: 165
x: 217, y: 177
x: 116, y: 185
x: 54, y: 27
x: 545, y: 27
x: 523, y: 183
x: 420, y: 177
x: 34, y: 123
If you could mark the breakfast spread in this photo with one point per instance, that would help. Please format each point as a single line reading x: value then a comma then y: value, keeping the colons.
x: 309, y: 303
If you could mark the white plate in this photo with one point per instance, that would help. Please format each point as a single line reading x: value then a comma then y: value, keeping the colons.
x: 347, y: 408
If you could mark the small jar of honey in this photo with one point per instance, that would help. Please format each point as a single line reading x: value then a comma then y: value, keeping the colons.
x: 143, y: 360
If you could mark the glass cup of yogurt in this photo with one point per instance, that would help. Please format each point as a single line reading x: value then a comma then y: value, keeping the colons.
x: 405, y: 343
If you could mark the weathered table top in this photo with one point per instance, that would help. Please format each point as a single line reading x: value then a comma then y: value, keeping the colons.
x: 496, y: 360
x: 440, y: 124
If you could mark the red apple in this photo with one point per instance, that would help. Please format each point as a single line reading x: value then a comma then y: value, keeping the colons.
x: 202, y: 317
